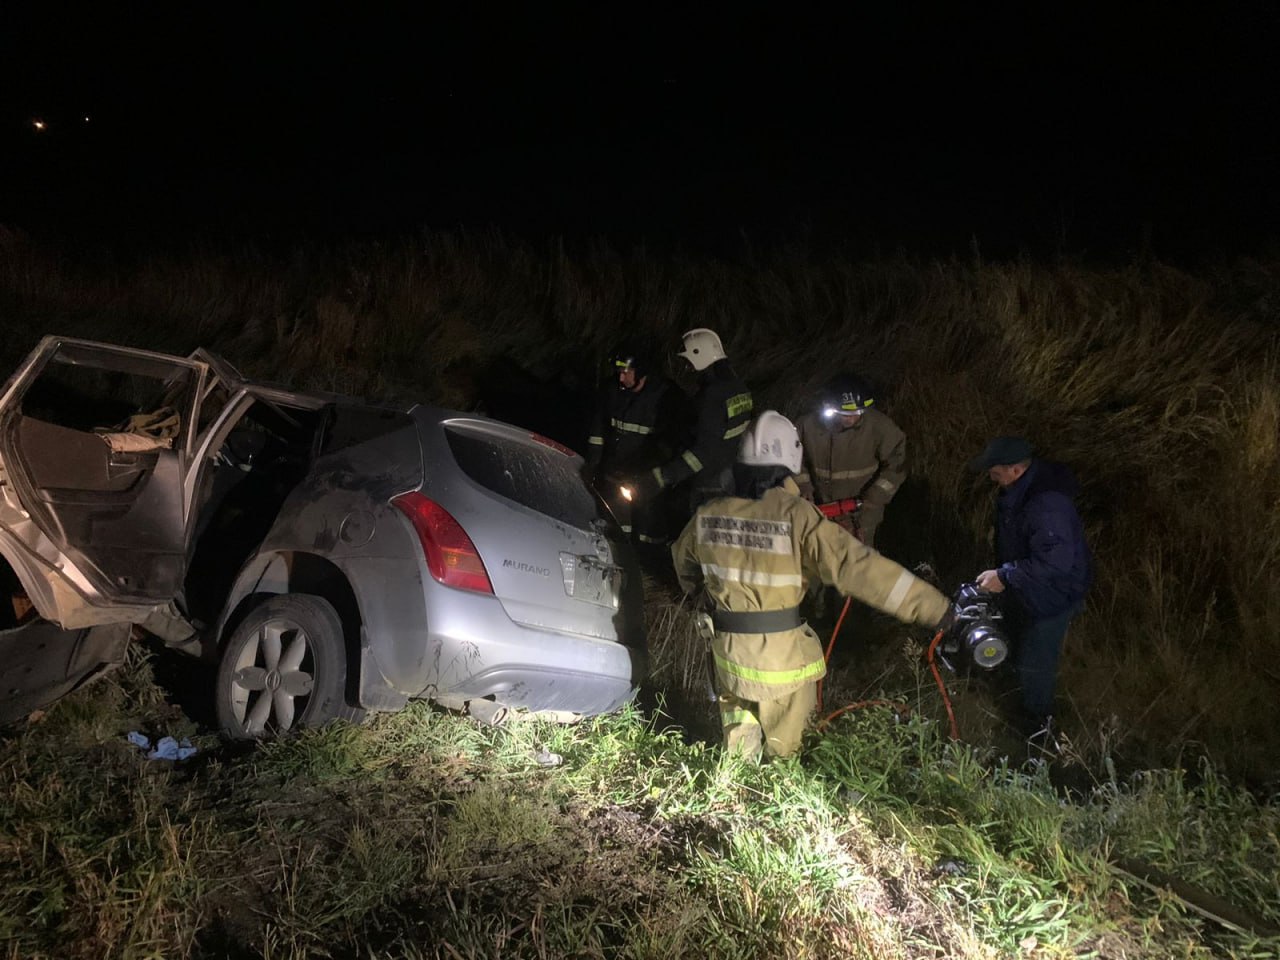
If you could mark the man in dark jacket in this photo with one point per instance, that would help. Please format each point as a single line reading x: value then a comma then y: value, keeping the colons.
x: 722, y: 412
x: 638, y: 424
x: 1044, y: 564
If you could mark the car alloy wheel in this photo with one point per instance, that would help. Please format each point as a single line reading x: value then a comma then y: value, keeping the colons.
x: 284, y: 667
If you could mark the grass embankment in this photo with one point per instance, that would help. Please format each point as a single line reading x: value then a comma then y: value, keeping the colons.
x: 423, y: 835
x: 1159, y: 387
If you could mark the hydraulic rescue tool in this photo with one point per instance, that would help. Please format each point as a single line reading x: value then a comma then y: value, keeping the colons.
x: 977, y: 631
x: 840, y: 508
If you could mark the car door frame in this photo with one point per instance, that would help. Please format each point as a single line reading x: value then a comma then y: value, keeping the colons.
x: 47, y: 569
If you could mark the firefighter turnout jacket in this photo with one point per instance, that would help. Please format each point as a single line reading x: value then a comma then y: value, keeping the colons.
x: 754, y: 557
x: 722, y: 408
x: 867, y: 460
x: 636, y: 430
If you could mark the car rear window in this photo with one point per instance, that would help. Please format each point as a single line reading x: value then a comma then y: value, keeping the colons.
x: 538, y: 477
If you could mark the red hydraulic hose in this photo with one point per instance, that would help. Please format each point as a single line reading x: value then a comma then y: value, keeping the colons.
x: 826, y: 657
x: 901, y: 708
x: 942, y: 687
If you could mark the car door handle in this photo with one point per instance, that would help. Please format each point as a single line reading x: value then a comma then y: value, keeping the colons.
x: 126, y: 464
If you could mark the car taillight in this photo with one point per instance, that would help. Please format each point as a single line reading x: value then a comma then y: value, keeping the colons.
x: 451, y: 556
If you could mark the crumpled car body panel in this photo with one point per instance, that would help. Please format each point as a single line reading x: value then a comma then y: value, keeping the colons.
x: 96, y: 535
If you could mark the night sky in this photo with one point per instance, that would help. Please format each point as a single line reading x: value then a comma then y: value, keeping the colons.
x: 1044, y: 130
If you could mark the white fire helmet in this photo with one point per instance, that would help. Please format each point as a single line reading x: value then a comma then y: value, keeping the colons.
x: 702, y: 348
x: 771, y: 440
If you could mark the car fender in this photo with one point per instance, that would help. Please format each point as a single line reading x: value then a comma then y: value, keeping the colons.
x: 384, y: 623
x: 338, y: 536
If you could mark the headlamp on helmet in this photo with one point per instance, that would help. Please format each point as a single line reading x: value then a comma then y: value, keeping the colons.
x: 633, y: 356
x: 846, y: 394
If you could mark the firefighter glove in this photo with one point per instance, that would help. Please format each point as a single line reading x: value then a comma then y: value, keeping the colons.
x: 948, y: 620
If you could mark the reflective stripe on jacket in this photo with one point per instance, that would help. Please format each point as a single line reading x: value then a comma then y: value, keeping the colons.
x: 636, y: 430
x: 723, y: 410
x: 867, y: 460
x: 754, y: 555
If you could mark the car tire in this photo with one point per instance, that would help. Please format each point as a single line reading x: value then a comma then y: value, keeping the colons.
x: 284, y: 667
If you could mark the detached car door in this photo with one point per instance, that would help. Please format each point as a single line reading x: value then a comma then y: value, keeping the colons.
x: 95, y: 443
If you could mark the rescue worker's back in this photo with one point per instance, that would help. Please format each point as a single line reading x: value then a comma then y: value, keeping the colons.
x: 754, y: 556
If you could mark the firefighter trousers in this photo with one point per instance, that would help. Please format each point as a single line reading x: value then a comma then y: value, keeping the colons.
x: 772, y: 728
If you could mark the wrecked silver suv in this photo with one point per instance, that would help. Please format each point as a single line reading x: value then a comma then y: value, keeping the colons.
x: 327, y: 557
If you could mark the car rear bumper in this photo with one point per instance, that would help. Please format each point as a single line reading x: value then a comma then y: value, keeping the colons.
x: 483, y: 653
x: 461, y: 646
x: 547, y: 688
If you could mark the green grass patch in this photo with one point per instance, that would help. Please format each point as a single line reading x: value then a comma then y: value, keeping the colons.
x: 423, y: 834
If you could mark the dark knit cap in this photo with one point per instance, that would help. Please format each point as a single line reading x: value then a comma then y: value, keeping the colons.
x: 1002, y: 451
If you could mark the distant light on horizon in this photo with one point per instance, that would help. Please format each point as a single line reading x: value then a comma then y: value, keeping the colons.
x: 38, y: 124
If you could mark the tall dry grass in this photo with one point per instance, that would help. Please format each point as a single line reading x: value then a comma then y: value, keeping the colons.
x: 1158, y: 386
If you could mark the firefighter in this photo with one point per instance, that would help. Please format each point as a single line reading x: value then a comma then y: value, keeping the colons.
x: 752, y: 552
x: 721, y: 413
x: 854, y: 457
x: 637, y: 425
